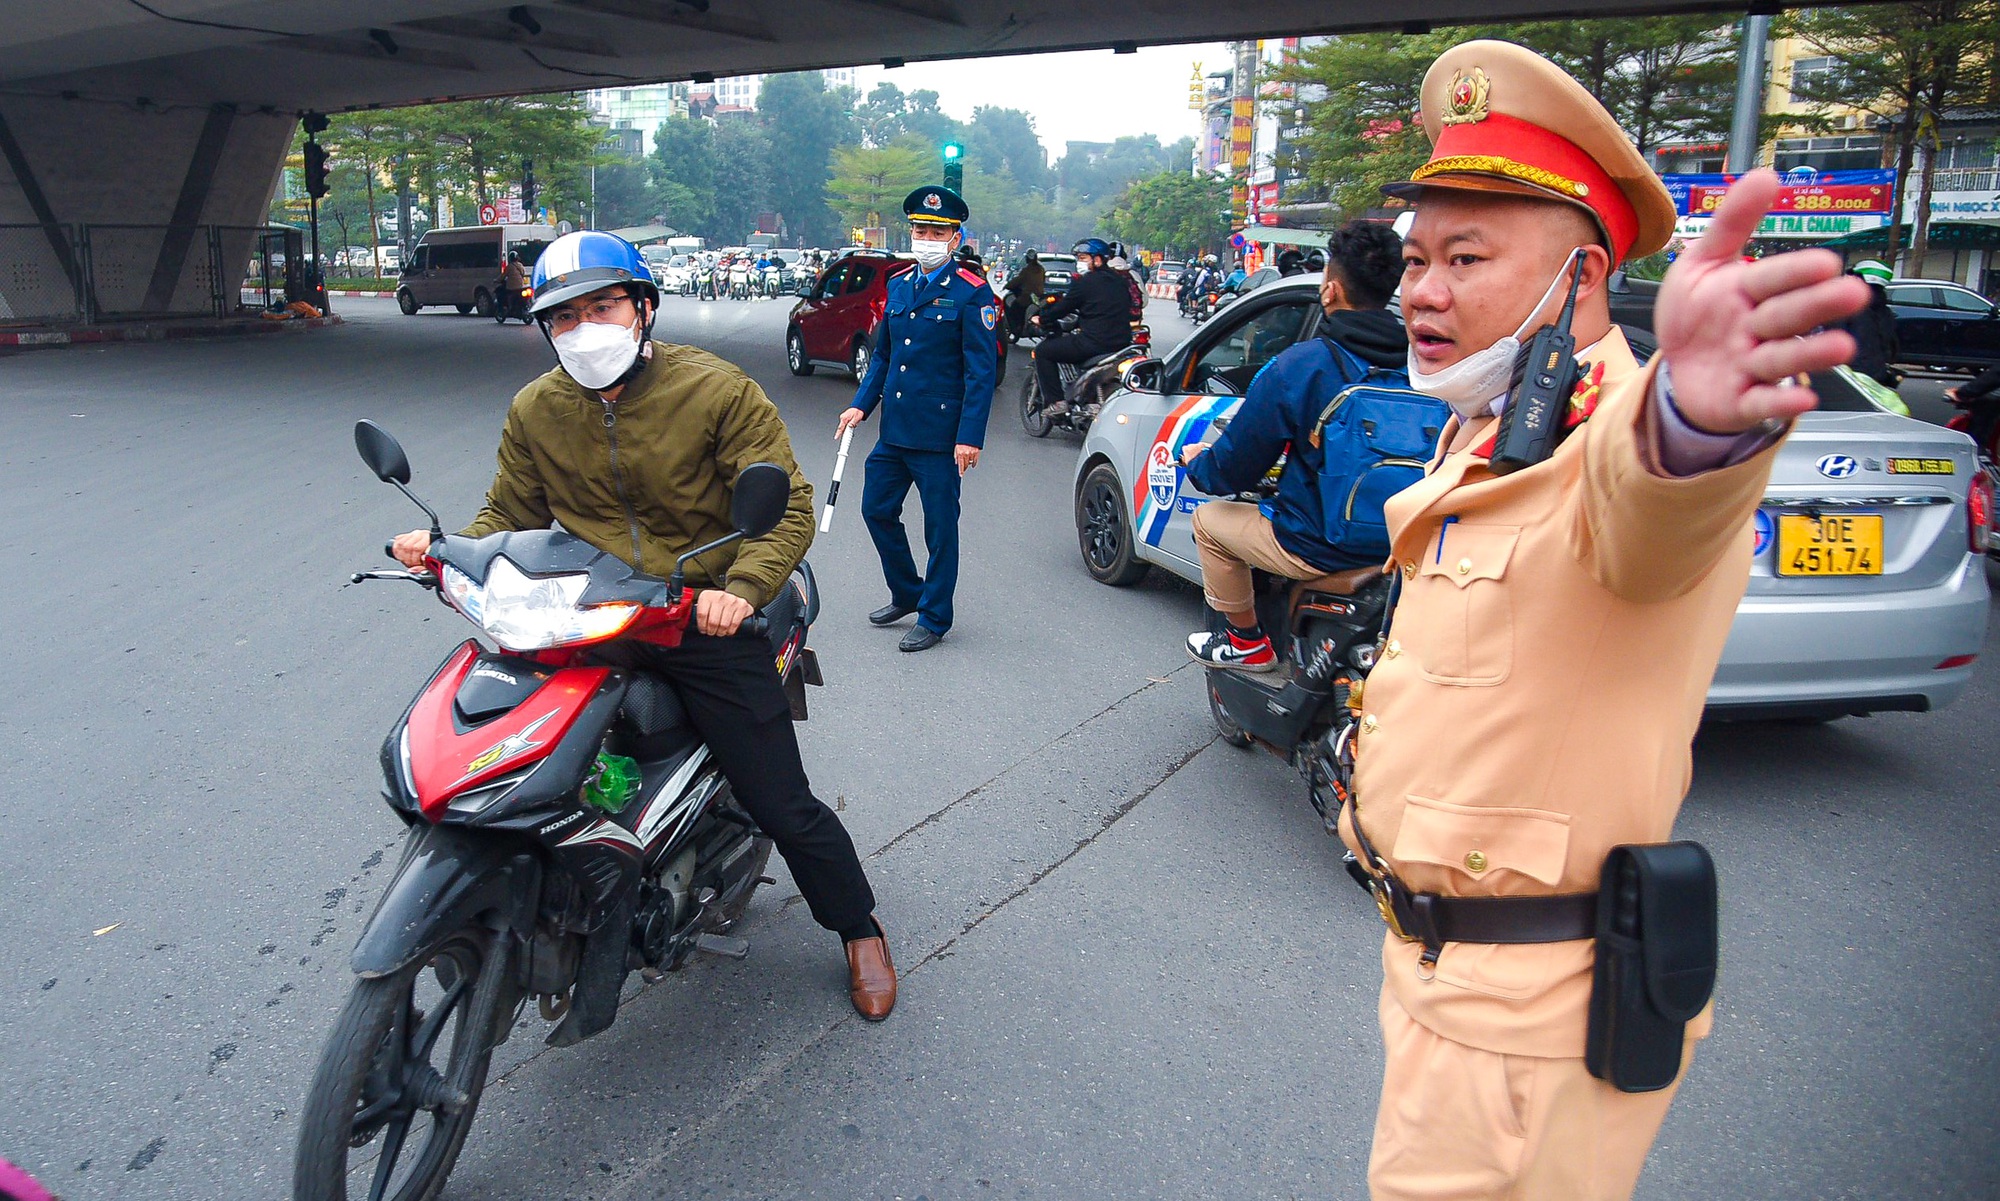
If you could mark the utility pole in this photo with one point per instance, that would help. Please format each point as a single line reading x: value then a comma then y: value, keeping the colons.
x: 1743, y: 124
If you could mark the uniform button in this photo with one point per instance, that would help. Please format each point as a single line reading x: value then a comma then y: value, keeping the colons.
x: 1369, y: 725
x: 906, y: 341
x: 1464, y: 566
x: 1475, y: 861
x: 904, y: 367
x: 1409, y: 571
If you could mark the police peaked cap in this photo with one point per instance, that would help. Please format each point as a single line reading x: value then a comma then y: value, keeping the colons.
x: 935, y: 204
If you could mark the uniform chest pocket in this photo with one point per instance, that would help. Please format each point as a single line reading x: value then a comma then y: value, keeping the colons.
x: 1457, y: 616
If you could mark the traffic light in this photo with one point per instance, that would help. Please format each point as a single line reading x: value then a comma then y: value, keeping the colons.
x: 527, y: 185
x: 954, y: 166
x: 315, y: 161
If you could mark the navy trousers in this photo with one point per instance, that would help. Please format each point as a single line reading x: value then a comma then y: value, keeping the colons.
x: 891, y: 471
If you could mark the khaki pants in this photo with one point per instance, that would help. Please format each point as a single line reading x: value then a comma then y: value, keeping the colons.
x: 1231, y: 537
x: 1460, y: 1124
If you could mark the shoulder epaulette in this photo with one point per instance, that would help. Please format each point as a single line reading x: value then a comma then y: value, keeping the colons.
x: 972, y: 277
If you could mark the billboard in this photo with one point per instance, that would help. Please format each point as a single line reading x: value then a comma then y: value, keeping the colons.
x: 1804, y: 190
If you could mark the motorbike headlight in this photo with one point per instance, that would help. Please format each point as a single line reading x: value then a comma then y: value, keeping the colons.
x: 529, y: 613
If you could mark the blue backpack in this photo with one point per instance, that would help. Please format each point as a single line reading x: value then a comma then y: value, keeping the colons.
x: 1375, y: 436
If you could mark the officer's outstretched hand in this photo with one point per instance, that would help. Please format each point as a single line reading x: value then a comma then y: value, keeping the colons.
x: 849, y: 418
x: 1731, y: 330
x: 718, y: 613
x: 967, y: 456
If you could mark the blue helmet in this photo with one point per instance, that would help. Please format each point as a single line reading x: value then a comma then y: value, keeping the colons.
x: 1092, y: 247
x: 586, y: 261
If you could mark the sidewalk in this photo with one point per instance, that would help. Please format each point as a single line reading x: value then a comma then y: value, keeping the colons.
x: 29, y: 337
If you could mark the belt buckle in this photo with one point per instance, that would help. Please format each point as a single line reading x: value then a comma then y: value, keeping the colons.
x: 1385, y: 902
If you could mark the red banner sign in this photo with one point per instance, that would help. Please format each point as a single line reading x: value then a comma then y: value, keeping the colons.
x: 1804, y: 198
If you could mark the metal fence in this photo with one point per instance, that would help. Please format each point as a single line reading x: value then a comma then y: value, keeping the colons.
x: 107, y: 272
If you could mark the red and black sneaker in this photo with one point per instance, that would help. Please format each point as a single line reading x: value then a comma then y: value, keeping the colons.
x: 1233, y: 651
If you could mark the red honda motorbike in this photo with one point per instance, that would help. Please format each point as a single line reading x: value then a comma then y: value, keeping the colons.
x: 566, y: 827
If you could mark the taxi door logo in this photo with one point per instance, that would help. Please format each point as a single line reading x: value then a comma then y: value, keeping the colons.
x: 1163, y: 476
x: 1837, y: 467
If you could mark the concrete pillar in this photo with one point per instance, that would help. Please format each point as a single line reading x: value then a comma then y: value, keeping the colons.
x: 145, y: 180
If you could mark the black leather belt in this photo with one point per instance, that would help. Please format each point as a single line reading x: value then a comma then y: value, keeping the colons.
x: 1434, y: 920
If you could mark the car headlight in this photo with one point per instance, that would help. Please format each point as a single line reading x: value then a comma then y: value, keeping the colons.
x: 530, y: 613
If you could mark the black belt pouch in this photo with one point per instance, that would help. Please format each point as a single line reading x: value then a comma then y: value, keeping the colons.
x: 1656, y: 955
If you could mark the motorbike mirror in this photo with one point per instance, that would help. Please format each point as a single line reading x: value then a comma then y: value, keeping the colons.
x: 1141, y: 375
x: 758, y: 499
x: 383, y: 454
x: 805, y: 288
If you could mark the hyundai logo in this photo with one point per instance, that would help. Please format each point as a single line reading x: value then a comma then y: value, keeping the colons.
x: 1836, y: 467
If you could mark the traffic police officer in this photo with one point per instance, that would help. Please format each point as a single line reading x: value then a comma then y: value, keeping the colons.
x: 1545, y: 670
x: 932, y: 372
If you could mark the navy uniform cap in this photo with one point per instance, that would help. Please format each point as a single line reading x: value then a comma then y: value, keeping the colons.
x: 935, y: 204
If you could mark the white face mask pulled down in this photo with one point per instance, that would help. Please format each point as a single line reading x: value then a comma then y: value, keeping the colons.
x: 930, y: 253
x: 596, y: 353
x: 1471, y: 385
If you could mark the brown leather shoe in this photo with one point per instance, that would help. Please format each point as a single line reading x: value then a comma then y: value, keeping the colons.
x: 871, y: 975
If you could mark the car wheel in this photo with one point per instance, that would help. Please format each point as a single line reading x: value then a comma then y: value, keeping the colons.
x: 463, y: 309
x: 1034, y: 417
x: 407, y: 302
x: 482, y: 300
x: 857, y: 359
x: 1104, y: 532
x: 795, y: 353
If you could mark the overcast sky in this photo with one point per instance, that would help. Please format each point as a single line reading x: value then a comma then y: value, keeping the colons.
x: 1087, y: 96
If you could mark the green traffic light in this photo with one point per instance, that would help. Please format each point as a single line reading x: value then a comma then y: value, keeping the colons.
x: 952, y: 150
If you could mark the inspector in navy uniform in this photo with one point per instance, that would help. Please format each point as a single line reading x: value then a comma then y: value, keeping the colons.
x: 932, y: 372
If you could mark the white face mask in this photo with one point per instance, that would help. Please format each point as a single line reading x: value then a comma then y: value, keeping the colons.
x: 1471, y: 385
x: 930, y: 254
x: 596, y: 353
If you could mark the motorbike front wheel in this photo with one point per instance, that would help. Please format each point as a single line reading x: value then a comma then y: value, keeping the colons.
x: 1034, y: 415
x: 378, y: 1083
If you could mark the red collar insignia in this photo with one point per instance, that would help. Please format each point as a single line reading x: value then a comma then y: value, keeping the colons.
x: 1582, y: 403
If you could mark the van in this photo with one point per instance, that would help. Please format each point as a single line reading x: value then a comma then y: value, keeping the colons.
x: 462, y: 266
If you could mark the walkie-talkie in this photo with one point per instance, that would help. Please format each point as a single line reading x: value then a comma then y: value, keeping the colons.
x: 1532, y: 422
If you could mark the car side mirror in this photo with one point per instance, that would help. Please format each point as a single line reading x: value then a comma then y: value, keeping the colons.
x: 758, y: 499
x: 383, y: 454
x: 1216, y: 385
x: 1141, y: 375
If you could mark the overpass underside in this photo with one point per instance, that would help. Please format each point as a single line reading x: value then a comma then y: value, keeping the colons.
x: 172, y: 118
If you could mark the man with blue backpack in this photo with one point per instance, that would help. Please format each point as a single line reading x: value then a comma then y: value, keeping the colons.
x: 1341, y: 460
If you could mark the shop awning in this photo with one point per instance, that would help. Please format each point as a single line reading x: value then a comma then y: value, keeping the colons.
x: 1278, y: 235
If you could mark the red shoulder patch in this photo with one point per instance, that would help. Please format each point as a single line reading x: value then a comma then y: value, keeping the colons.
x: 972, y: 277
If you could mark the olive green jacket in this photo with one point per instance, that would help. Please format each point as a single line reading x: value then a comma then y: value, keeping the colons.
x: 648, y: 477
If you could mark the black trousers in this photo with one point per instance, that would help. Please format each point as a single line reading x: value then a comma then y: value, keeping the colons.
x: 731, y: 691
x: 1063, y: 348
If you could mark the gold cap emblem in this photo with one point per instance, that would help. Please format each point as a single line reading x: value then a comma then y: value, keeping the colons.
x: 1466, y: 102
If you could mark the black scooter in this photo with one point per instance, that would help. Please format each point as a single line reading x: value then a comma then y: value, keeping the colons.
x: 1326, y: 632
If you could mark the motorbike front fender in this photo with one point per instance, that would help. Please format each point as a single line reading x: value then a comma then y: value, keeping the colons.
x: 448, y: 879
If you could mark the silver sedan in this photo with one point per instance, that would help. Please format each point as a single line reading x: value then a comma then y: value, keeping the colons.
x: 1868, y: 590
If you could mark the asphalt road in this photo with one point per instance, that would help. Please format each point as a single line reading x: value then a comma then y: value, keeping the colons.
x: 1133, y: 967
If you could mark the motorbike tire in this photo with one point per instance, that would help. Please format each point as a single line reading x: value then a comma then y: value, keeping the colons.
x: 1034, y: 417
x: 1225, y: 725
x: 1104, y: 531
x: 354, y: 1061
x: 795, y: 354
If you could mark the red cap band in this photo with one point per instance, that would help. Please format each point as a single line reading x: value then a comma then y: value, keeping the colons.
x: 1498, y: 144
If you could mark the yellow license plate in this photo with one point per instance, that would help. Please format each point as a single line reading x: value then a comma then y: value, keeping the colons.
x: 1834, y: 544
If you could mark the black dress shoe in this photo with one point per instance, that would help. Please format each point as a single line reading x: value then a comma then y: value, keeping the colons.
x: 919, y: 639
x: 888, y: 615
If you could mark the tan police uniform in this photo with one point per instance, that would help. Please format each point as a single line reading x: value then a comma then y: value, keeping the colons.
x: 1535, y: 703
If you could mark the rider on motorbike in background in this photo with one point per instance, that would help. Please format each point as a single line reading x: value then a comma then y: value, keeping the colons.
x: 1102, y: 301
x: 688, y: 423
x: 1024, y: 289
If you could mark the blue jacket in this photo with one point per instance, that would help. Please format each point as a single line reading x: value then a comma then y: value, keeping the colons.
x: 1277, y: 415
x: 934, y: 359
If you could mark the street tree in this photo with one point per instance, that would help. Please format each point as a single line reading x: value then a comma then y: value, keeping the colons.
x: 741, y: 180
x: 1663, y: 79
x: 875, y: 180
x: 1910, y: 64
x: 1173, y: 211
x: 683, y: 164
x: 804, y: 123
x: 1005, y: 138
x: 1360, y: 94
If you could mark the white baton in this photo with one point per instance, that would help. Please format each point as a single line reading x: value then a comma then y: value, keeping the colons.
x: 833, y: 492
